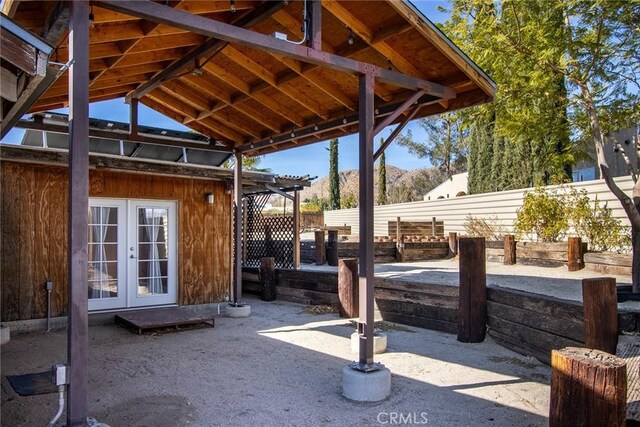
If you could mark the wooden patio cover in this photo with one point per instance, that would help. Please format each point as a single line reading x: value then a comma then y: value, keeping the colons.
x: 363, y: 66
x: 255, y: 100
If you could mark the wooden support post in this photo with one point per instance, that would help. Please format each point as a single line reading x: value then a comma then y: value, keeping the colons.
x: 588, y: 388
x: 321, y: 254
x: 399, y: 241
x: 600, y: 304
x: 348, y: 287
x: 78, y: 331
x: 133, y: 117
x: 332, y: 248
x: 575, y: 259
x: 453, y: 244
x: 268, y: 278
x: 296, y: 230
x: 365, y: 214
x: 433, y: 226
x: 315, y: 24
x: 472, y: 306
x: 509, y: 249
x: 400, y: 248
x: 237, y: 238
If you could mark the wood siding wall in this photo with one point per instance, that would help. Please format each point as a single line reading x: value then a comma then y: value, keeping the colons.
x: 34, y: 234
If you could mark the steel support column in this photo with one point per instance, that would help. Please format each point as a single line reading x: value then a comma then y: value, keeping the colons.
x: 77, y: 341
x: 237, y: 238
x: 296, y: 230
x: 365, y: 207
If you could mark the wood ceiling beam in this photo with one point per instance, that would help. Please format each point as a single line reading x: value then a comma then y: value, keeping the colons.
x: 255, y: 93
x: 102, y: 84
x: 444, y: 45
x: 322, y: 128
x: 181, y: 111
x: 366, y: 34
x: 228, y: 126
x: 200, y: 84
x: 319, y: 82
x: 211, y: 133
x: 63, y: 102
x: 166, y: 15
x: 57, y: 99
x: 208, y: 48
x: 382, y: 35
x: 151, y: 67
x: 125, y: 47
x: 264, y: 74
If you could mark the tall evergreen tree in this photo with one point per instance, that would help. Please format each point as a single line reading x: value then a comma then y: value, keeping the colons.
x: 334, y: 176
x: 382, y: 178
x: 593, y: 48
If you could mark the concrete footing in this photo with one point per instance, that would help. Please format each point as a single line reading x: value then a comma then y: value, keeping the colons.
x: 379, y: 343
x: 239, y: 310
x: 366, y: 386
x: 5, y: 334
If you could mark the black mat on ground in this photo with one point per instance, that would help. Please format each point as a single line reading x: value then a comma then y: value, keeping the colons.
x: 32, y: 384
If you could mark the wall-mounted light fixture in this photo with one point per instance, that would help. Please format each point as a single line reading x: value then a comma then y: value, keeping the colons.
x: 209, y: 198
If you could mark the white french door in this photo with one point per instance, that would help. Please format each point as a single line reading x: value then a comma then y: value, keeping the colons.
x: 132, y: 253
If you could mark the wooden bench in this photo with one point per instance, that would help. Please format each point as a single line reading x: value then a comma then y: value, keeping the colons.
x: 418, y: 228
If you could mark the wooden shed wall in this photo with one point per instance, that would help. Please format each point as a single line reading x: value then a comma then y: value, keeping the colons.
x: 34, y: 207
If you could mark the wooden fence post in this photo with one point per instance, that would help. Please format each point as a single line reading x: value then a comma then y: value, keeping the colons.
x: 472, y: 305
x: 321, y: 254
x: 588, y: 388
x: 332, y: 248
x: 509, y: 249
x: 400, y: 248
x: 453, y: 244
x: 348, y: 285
x: 433, y: 226
x: 600, y: 304
x: 575, y: 260
x: 268, y: 278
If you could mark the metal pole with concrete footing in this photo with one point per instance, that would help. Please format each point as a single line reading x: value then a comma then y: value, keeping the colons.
x: 236, y: 308
x: 365, y: 380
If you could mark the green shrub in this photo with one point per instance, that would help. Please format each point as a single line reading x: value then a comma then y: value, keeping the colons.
x: 597, y: 225
x: 543, y: 215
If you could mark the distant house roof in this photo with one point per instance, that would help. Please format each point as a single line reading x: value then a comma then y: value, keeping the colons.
x: 455, y: 186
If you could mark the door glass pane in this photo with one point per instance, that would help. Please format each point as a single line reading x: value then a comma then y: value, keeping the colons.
x: 152, y: 251
x: 103, y: 252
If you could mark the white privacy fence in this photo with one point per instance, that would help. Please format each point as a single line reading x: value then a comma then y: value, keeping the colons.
x: 454, y: 212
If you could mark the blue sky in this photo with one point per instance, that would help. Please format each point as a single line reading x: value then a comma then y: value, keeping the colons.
x: 312, y: 159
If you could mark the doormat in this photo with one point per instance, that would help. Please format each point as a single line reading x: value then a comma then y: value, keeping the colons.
x: 32, y: 384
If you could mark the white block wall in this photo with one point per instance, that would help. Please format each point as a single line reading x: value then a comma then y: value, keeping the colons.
x: 454, y: 212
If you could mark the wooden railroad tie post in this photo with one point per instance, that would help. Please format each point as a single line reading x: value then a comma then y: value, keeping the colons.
x: 472, y: 305
x: 332, y: 248
x: 399, y: 241
x: 321, y: 254
x: 348, y: 285
x: 600, y: 304
x: 268, y: 278
x: 509, y: 249
x: 575, y: 260
x: 433, y: 226
x: 453, y: 244
x: 588, y: 388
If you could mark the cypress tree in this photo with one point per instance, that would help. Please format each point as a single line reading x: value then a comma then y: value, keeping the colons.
x: 334, y: 177
x: 382, y: 180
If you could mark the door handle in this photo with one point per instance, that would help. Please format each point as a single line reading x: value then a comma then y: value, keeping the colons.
x: 132, y: 256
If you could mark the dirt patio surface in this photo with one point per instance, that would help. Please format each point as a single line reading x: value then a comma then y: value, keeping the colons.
x: 280, y: 367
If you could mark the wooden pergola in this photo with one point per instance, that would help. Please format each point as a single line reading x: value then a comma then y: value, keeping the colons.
x: 255, y: 77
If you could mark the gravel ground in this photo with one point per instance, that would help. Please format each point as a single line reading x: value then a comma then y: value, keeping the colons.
x: 280, y: 367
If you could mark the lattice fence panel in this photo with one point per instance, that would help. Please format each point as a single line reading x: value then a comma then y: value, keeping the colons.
x: 266, y: 235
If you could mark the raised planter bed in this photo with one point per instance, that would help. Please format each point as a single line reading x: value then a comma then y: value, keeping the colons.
x: 608, y: 263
